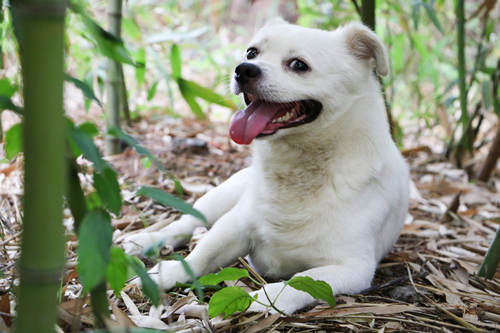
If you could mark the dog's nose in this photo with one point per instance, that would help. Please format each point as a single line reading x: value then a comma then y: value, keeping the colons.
x: 245, y: 72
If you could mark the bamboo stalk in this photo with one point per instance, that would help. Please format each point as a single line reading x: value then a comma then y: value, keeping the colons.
x: 464, y: 117
x: 368, y: 17
x: 368, y: 13
x: 124, y: 98
x: 494, y: 152
x: 113, y: 79
x: 1, y: 62
x: 40, y: 32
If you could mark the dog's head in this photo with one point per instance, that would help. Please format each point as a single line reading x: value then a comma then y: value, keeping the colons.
x: 293, y: 78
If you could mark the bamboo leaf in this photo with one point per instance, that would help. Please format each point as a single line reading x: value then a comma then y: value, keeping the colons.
x: 14, y: 141
x: 86, y: 89
x: 228, y: 301
x: 7, y: 104
x: 415, y: 12
x: 140, y: 72
x: 169, y: 200
x: 205, y: 93
x: 7, y: 88
x: 227, y: 274
x: 107, y: 44
x: 152, y: 91
x: 143, y: 151
x: 85, y: 143
x: 149, y: 287
x: 89, y: 128
x: 431, y: 12
x: 191, y: 275
x: 492, y: 259
x: 486, y: 91
x: 190, y: 99
x: 117, y: 270
x: 94, y: 243
x: 316, y: 288
x: 176, y: 61
x: 106, y: 184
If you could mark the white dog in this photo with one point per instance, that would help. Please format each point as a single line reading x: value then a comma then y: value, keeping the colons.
x: 327, y: 191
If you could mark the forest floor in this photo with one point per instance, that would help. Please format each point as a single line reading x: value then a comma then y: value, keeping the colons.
x: 427, y: 283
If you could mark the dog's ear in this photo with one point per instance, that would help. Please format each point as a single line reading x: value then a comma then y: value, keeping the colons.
x: 365, y: 44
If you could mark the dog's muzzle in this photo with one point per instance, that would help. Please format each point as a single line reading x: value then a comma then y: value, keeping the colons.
x: 246, y: 73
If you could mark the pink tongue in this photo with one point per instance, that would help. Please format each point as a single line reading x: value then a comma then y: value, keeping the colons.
x: 247, y: 124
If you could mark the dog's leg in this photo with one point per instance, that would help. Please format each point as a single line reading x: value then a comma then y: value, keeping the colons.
x: 222, y: 245
x: 212, y: 205
x: 349, y: 278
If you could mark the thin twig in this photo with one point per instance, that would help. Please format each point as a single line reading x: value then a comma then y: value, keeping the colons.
x: 252, y: 271
x: 358, y: 9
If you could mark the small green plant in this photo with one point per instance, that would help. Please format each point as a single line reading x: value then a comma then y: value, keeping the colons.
x: 233, y: 299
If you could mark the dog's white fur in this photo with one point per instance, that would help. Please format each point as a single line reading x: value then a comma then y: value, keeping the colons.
x: 325, y: 199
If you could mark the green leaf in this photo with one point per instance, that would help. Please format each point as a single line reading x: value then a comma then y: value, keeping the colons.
x: 415, y: 12
x: 431, y: 12
x: 14, y: 141
x: 7, y: 104
x: 106, y: 185
x: 89, y: 128
x: 130, y: 28
x: 192, y: 277
x: 86, y: 89
x: 227, y: 274
x: 486, y: 90
x: 176, y: 61
x: 140, y: 72
x: 85, y: 143
x: 228, y: 301
x: 107, y: 44
x: 152, y: 91
x: 94, y: 243
x: 149, y: 287
x: 316, y: 288
x: 190, y: 99
x: 7, y: 88
x: 205, y: 93
x: 169, y: 200
x: 117, y: 269
x: 115, y: 131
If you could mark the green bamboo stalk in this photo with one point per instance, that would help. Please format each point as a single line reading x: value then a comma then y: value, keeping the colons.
x: 1, y: 37
x: 1, y: 62
x: 492, y: 259
x: 113, y: 79
x: 494, y: 152
x: 368, y: 13
x: 40, y: 33
x: 464, y: 117
x: 124, y: 98
x: 368, y: 17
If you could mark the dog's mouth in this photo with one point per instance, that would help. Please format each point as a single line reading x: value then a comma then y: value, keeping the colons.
x: 261, y: 118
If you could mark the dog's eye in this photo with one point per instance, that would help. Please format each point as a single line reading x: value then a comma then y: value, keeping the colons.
x: 252, y: 53
x: 298, y: 65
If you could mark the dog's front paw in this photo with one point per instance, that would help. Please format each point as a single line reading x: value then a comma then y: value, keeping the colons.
x: 287, y: 300
x: 137, y: 244
x: 167, y: 273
